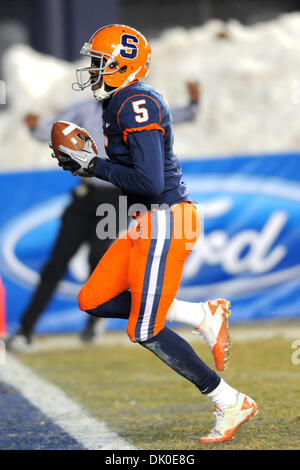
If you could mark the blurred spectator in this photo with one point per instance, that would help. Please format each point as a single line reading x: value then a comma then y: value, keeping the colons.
x: 79, y: 220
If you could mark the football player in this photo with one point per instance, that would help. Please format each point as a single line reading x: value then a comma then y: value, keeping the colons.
x: 139, y: 275
x: 81, y: 211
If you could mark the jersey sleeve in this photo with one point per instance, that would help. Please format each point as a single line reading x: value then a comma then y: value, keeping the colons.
x: 139, y: 113
x: 146, y: 176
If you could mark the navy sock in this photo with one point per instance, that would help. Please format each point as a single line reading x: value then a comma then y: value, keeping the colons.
x: 174, y: 351
x: 118, y: 307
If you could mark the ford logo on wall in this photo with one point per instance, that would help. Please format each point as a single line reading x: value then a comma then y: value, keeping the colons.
x: 250, y: 237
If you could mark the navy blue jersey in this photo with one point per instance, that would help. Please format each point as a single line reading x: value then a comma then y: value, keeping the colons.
x: 139, y: 146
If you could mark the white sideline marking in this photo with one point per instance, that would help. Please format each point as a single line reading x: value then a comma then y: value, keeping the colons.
x: 92, y: 434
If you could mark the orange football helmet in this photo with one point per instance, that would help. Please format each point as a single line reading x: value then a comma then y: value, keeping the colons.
x: 120, y: 54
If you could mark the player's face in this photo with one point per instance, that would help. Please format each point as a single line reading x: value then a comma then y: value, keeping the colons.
x: 95, y: 74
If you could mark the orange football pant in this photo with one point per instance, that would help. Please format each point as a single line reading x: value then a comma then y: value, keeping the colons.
x: 148, y: 260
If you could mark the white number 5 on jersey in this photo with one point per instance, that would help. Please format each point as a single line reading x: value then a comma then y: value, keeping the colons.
x: 142, y: 114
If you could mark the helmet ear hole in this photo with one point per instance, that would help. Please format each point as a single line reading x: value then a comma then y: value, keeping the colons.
x: 123, y: 69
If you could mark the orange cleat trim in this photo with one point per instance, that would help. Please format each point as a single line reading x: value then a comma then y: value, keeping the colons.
x: 246, y: 405
x: 213, y: 308
x: 221, y: 349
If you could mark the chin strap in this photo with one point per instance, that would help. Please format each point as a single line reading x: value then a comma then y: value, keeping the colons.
x: 101, y: 94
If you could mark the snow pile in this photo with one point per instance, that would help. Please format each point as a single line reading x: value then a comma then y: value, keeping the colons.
x: 251, y: 85
x: 250, y: 77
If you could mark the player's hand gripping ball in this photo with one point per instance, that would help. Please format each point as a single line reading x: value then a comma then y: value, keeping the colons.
x: 73, y: 147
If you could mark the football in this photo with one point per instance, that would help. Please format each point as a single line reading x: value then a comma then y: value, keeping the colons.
x: 69, y: 135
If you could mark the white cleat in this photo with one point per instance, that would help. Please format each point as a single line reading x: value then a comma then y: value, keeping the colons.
x: 215, y: 331
x: 231, y: 419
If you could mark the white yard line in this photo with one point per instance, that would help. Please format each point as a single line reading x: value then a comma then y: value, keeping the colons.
x: 53, y: 402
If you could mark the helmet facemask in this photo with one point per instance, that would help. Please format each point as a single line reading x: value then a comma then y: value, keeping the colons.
x: 101, y: 65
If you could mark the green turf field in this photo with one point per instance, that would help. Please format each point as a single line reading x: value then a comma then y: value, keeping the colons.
x: 150, y: 406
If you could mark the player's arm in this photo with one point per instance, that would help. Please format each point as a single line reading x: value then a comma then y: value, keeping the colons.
x: 139, y: 122
x: 189, y: 111
x: 146, y: 176
x: 41, y: 130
